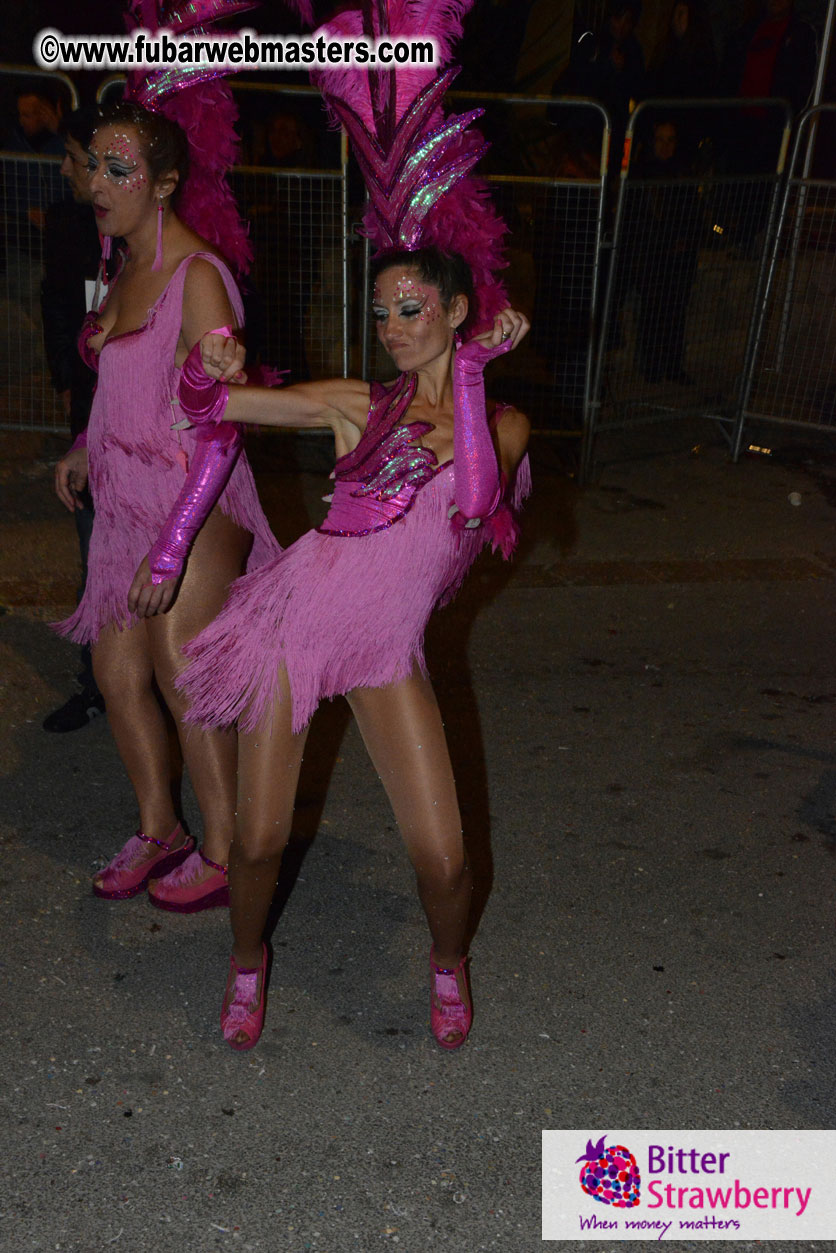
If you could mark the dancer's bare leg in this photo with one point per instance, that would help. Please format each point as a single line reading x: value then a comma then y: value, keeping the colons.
x: 217, y: 558
x: 403, y: 732
x: 269, y: 760
x: 124, y: 671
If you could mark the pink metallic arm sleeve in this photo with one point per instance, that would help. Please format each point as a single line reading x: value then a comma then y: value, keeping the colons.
x: 202, y: 399
x: 80, y: 440
x: 478, y: 488
x: 212, y: 461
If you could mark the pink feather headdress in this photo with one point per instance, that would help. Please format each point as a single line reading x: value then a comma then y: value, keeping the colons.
x: 416, y: 163
x: 201, y: 103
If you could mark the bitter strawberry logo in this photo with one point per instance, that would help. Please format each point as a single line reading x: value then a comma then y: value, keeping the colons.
x: 610, y: 1174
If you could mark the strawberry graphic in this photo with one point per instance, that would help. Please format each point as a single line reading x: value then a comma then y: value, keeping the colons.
x: 610, y: 1174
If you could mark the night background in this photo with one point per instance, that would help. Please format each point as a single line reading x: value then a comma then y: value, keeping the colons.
x: 639, y: 708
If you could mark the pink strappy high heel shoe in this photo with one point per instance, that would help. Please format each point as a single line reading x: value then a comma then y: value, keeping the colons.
x: 185, y: 890
x: 242, y: 1011
x: 130, y: 870
x: 450, y: 1010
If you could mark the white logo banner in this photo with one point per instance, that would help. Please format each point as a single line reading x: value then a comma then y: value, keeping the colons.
x: 689, y: 1185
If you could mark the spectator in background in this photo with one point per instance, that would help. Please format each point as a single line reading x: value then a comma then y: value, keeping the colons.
x: 774, y: 54
x: 684, y: 63
x: 288, y: 142
x: 39, y: 113
x: 72, y: 250
x: 684, y: 67
x: 35, y: 132
x: 662, y: 239
x: 28, y: 186
x: 609, y: 69
x: 495, y: 32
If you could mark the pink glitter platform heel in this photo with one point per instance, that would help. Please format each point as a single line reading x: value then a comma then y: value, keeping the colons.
x: 450, y: 1010
x: 242, y: 1012
x: 130, y: 870
x: 185, y: 891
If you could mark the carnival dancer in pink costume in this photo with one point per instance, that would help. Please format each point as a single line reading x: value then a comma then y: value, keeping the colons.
x: 427, y: 473
x: 177, y: 514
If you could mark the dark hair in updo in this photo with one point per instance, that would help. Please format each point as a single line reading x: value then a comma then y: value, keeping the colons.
x: 163, y: 143
x: 447, y: 271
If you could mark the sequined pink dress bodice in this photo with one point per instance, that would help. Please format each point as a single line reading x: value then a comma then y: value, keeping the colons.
x: 376, y: 483
x: 137, y: 464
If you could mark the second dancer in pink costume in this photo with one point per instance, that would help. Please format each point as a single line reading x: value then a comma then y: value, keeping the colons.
x: 426, y: 474
x: 177, y: 514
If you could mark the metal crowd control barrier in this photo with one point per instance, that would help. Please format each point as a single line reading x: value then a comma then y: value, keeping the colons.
x: 697, y: 202
x: 550, y: 189
x: 30, y: 184
x: 13, y: 77
x: 791, y: 377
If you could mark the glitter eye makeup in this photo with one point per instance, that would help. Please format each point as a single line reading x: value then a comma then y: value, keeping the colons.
x: 414, y: 300
x: 420, y: 306
x: 121, y: 163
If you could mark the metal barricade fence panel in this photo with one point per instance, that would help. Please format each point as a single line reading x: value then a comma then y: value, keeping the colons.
x: 692, y: 259
x: 691, y: 237
x: 296, y: 231
x: 792, y: 378
x: 30, y: 184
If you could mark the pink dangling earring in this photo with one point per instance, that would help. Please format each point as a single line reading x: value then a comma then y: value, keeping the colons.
x: 457, y: 341
x: 158, y: 255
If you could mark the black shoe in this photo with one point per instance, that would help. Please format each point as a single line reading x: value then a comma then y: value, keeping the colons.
x: 76, y: 713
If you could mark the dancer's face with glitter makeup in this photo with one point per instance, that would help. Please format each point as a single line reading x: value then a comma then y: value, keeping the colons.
x: 412, y: 323
x: 121, y: 187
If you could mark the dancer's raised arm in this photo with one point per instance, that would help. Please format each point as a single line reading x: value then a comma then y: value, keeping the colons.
x: 478, y: 483
x: 205, y: 396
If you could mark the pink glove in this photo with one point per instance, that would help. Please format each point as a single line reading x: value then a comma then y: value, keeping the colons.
x: 202, y: 399
x: 212, y: 462
x: 478, y: 488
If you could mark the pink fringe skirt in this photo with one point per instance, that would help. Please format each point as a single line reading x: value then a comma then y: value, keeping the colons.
x: 337, y: 612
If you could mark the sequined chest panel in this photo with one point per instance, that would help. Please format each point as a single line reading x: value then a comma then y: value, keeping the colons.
x: 377, y: 483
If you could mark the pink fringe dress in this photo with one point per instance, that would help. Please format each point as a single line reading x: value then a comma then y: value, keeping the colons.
x: 347, y: 604
x: 138, y: 464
